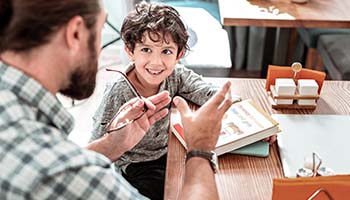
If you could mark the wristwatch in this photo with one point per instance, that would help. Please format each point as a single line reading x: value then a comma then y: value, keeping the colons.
x: 209, y: 155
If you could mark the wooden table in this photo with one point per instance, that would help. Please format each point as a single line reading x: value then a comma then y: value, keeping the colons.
x: 246, y: 177
x: 284, y: 13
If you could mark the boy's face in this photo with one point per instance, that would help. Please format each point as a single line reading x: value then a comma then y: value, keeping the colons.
x: 154, y: 61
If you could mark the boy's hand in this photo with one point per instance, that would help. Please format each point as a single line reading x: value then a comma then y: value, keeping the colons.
x: 271, y: 139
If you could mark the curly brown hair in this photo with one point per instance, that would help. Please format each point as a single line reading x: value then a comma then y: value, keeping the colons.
x: 158, y: 21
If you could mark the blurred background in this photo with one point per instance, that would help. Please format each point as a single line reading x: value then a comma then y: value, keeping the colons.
x: 223, y: 51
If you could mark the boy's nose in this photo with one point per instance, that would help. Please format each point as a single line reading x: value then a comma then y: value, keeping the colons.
x: 156, y: 59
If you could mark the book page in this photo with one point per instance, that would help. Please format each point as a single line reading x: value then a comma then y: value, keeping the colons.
x: 242, y: 120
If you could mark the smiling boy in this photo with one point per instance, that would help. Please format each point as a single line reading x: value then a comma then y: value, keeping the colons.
x: 155, y: 40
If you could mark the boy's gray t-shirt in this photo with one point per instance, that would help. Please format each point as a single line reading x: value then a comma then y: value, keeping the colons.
x: 182, y: 82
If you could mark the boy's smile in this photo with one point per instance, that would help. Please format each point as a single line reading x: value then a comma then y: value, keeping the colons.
x: 154, y: 72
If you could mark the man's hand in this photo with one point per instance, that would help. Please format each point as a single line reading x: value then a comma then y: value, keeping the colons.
x: 202, y: 127
x: 201, y: 130
x: 131, y: 134
x: 118, y: 142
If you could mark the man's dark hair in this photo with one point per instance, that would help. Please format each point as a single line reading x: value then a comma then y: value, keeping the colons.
x: 157, y: 21
x: 26, y: 24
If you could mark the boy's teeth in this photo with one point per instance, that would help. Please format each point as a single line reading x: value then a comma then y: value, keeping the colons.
x: 154, y: 72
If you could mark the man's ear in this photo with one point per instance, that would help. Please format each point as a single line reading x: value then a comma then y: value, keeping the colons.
x: 129, y: 53
x: 75, y: 33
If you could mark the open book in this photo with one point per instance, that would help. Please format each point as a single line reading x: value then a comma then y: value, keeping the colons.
x: 243, y: 124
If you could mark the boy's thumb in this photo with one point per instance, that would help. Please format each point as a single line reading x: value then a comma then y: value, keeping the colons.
x: 181, y: 105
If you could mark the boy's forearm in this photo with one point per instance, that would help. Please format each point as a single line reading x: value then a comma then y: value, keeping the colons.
x: 199, y: 180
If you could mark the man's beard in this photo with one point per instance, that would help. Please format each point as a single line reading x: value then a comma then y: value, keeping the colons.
x: 83, y: 79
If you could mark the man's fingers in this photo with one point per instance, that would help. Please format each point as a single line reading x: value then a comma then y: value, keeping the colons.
x: 129, y: 111
x: 149, y: 104
x: 158, y: 116
x: 225, y: 105
x: 163, y: 103
x: 158, y: 107
x: 219, y: 97
x: 129, y: 104
x: 158, y: 101
x: 222, y: 100
x: 133, y: 107
x: 155, y: 99
x: 182, y: 106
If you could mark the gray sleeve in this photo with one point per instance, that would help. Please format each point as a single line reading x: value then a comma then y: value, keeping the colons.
x: 192, y: 86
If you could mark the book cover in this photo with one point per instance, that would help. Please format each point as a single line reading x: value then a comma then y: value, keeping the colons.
x: 257, y: 149
x: 243, y: 124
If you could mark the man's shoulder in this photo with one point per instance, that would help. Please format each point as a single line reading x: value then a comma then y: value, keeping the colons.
x: 11, y: 107
x: 34, y: 149
x: 6, y: 97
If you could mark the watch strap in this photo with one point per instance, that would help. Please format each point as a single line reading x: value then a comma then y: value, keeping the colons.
x: 208, y: 155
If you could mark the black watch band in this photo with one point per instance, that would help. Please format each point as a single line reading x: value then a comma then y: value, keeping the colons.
x: 209, y: 155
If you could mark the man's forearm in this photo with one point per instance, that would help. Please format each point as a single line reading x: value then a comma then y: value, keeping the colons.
x: 199, y: 180
x: 106, y: 148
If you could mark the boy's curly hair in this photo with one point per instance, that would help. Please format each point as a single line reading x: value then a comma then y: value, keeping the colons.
x: 157, y: 21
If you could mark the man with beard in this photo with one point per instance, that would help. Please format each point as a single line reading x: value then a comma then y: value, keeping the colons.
x: 48, y: 47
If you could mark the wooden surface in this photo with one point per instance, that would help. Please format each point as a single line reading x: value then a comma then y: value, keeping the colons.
x: 246, y: 177
x: 283, y: 13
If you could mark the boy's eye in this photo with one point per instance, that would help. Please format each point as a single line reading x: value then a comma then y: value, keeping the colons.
x: 167, y: 52
x: 147, y: 50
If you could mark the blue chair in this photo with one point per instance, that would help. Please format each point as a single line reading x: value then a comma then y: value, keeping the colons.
x: 335, y: 52
x: 309, y: 37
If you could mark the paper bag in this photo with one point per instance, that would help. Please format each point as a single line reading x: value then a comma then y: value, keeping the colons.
x: 338, y: 187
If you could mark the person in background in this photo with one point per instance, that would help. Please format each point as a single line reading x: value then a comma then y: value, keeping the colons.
x: 49, y: 47
x: 155, y: 40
